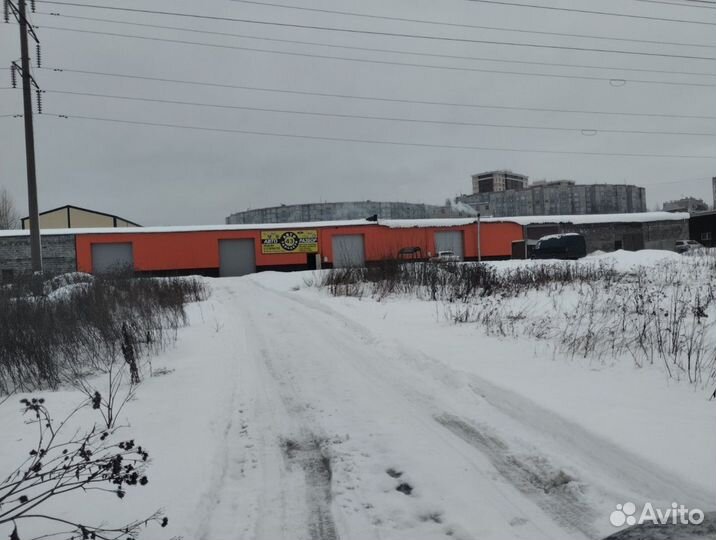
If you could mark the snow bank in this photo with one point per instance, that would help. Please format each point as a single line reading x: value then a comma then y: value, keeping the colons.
x: 625, y: 261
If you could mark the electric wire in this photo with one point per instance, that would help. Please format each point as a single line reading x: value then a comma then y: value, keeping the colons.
x: 379, y: 33
x: 373, y: 98
x: 381, y: 50
x: 371, y: 141
x: 587, y: 131
x: 612, y: 81
x: 586, y: 12
x: 473, y: 26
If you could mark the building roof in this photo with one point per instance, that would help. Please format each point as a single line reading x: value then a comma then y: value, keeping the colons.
x: 391, y: 223
x: 584, y: 219
x: 84, y: 210
x: 643, y: 217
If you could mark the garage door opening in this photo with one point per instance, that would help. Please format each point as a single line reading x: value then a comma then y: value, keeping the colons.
x: 348, y: 250
x: 237, y: 257
x: 450, y: 241
x: 112, y: 258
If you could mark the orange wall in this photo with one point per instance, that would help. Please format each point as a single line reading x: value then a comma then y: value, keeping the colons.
x: 197, y: 250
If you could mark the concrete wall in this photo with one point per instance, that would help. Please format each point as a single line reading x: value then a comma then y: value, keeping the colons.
x: 58, y: 254
x: 560, y: 198
x: 297, y: 213
x: 613, y: 236
x: 664, y: 234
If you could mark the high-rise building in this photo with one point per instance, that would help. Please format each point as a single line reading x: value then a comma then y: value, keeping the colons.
x: 503, y: 180
x: 559, y: 197
x: 685, y: 204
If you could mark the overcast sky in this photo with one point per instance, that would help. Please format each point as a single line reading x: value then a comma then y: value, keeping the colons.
x: 161, y: 175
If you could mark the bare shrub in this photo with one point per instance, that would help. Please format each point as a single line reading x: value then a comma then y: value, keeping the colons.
x: 656, y: 315
x: 64, y: 460
x: 82, y: 324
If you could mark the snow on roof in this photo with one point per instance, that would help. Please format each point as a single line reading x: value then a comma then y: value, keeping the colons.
x: 553, y: 236
x: 391, y: 223
x: 584, y: 219
x: 441, y: 222
x: 192, y: 228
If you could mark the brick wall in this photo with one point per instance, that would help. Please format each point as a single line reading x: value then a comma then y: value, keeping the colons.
x: 58, y: 254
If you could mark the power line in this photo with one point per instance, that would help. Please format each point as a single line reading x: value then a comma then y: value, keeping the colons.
x: 613, y: 81
x: 370, y: 141
x: 381, y: 50
x: 379, y: 33
x: 473, y: 26
x: 591, y: 12
x: 694, y: 3
x: 377, y: 98
x: 584, y: 131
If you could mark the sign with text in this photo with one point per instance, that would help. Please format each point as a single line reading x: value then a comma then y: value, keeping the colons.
x: 304, y: 241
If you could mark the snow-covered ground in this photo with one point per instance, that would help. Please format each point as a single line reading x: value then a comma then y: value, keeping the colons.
x: 290, y: 414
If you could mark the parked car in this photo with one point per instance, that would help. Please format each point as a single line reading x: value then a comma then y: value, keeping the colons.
x: 684, y: 246
x: 560, y: 246
x: 445, y: 257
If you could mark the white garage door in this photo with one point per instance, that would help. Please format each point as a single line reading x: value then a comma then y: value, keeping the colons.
x: 237, y: 257
x: 450, y: 241
x: 348, y: 250
x: 111, y: 258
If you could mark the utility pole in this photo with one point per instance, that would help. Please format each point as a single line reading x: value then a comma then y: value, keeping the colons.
x: 27, y: 80
x: 35, y: 240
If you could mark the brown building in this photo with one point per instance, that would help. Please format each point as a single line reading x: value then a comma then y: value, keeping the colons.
x: 505, y: 180
x: 74, y: 217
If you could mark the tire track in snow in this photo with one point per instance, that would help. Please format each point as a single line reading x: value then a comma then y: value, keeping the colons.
x: 313, y: 459
x: 552, y: 489
x: 224, y: 469
x: 352, y: 341
x: 624, y: 468
x: 304, y: 449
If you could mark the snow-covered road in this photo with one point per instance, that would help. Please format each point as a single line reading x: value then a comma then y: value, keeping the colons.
x: 288, y: 414
x: 333, y: 431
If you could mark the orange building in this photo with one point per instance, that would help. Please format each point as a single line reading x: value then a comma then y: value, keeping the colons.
x: 240, y: 249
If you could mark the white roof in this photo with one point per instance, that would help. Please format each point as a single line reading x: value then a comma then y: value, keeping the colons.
x: 391, y: 223
x: 553, y: 236
x: 642, y: 217
x: 442, y: 222
x: 583, y: 219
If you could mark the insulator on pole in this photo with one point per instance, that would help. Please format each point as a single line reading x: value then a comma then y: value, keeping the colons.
x: 32, y: 5
x: 39, y: 55
x: 6, y: 11
x: 38, y: 92
x: 13, y: 75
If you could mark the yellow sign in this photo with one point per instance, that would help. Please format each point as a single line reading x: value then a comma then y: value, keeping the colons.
x: 289, y: 241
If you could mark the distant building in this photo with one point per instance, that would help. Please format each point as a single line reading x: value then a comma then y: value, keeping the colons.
x: 498, y: 181
x: 74, y: 217
x: 608, y: 232
x: 686, y: 204
x: 559, y: 197
x: 702, y: 228
x: 295, y: 213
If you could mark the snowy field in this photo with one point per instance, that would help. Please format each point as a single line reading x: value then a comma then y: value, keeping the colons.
x: 286, y: 413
